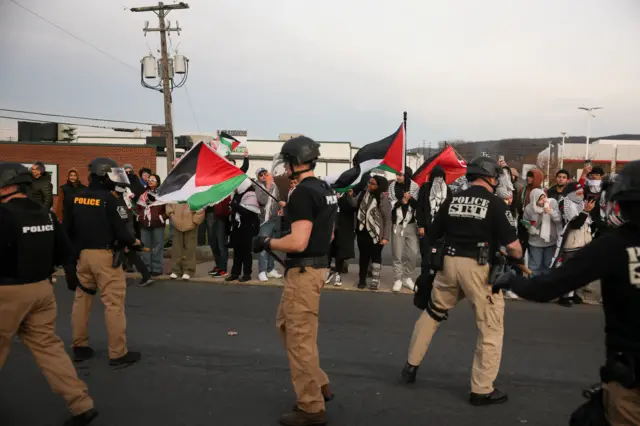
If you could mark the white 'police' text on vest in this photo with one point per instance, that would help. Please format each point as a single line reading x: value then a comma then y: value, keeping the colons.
x: 469, y: 207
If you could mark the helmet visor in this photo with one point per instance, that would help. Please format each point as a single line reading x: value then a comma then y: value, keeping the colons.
x: 118, y: 176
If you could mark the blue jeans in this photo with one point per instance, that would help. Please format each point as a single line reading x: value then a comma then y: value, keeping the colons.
x: 154, y: 239
x: 218, y: 229
x: 266, y: 263
x: 540, y: 259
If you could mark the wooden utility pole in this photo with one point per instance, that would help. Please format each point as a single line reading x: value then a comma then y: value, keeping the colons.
x: 162, y: 10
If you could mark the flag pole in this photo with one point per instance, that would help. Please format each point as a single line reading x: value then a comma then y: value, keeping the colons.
x: 263, y: 189
x: 404, y: 158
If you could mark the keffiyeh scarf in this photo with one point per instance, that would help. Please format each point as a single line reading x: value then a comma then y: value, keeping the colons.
x: 369, y: 217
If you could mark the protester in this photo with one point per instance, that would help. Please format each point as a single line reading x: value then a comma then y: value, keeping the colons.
x: 576, y: 232
x: 67, y: 193
x: 592, y: 191
x: 373, y: 228
x: 433, y: 194
x: 403, y: 195
x: 219, y: 226
x: 534, y: 180
x: 292, y: 185
x: 268, y: 209
x: 505, y: 183
x: 41, y: 188
x: 245, y: 225
x: 518, y: 183
x: 557, y: 192
x: 152, y: 226
x: 137, y: 189
x: 342, y: 246
x: 544, y: 222
x: 145, y: 174
x: 185, y: 224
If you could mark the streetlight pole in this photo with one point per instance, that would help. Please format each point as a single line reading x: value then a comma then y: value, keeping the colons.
x: 562, y: 152
x: 589, y: 116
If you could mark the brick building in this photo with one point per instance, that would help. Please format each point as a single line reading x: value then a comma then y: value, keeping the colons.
x: 60, y: 157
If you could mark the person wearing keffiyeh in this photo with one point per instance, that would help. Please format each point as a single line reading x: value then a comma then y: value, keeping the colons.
x: 373, y: 228
x: 433, y: 194
x: 403, y: 194
x: 576, y: 232
x: 153, y: 220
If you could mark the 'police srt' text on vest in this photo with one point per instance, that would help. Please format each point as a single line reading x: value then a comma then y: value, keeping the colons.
x: 470, y: 207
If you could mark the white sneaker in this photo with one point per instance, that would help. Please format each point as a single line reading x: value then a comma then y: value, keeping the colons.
x: 338, y: 281
x: 186, y: 277
x: 397, y: 286
x: 330, y: 276
x: 262, y: 276
x: 274, y: 274
x: 511, y: 295
x: 173, y: 276
x: 408, y: 283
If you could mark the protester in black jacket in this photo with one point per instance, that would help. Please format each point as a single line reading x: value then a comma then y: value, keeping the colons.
x: 433, y: 194
x: 67, y: 192
x: 41, y: 188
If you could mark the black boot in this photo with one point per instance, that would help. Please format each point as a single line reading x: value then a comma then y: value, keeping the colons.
x: 82, y: 419
x: 495, y: 397
x: 362, y: 283
x: 409, y: 373
x: 565, y: 301
x: 124, y: 361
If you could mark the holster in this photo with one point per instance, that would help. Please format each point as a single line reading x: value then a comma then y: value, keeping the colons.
x: 590, y: 413
x: 622, y: 368
x: 498, y: 267
x: 118, y: 258
x: 424, y: 286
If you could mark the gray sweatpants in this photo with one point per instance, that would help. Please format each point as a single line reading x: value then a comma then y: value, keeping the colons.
x: 404, y: 242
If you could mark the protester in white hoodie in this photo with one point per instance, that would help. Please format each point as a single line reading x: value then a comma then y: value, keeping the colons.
x: 544, y: 223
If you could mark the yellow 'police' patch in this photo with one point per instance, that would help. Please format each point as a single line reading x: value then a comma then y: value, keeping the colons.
x: 87, y: 201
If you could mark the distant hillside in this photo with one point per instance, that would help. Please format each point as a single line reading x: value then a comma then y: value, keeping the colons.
x: 517, y: 151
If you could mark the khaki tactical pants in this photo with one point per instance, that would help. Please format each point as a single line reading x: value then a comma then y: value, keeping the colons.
x: 183, y: 252
x: 621, y: 405
x: 463, y: 277
x: 95, y: 271
x: 30, y: 312
x: 297, y: 323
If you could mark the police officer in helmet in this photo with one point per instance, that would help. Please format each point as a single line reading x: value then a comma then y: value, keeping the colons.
x: 97, y: 222
x: 312, y: 212
x: 469, y: 229
x: 615, y: 260
x: 32, y: 242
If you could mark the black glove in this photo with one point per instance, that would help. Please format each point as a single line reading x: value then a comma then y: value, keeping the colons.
x: 259, y: 244
x: 502, y: 283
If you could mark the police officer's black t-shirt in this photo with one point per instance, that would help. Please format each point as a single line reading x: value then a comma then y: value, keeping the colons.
x: 615, y: 260
x: 473, y: 216
x: 32, y: 242
x: 315, y: 201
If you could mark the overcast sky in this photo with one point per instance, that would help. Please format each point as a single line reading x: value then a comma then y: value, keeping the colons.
x: 339, y: 70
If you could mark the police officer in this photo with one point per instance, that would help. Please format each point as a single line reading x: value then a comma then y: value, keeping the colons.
x: 615, y: 260
x: 96, y: 223
x: 31, y: 243
x: 473, y: 224
x: 312, y: 212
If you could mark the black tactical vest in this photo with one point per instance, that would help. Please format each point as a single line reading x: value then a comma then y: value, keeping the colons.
x: 30, y: 255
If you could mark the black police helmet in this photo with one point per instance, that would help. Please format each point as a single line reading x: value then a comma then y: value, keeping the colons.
x: 626, y: 185
x: 300, y: 150
x: 14, y: 174
x: 101, y: 166
x: 483, y: 167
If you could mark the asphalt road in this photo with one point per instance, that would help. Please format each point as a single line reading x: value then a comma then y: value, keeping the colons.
x: 193, y: 373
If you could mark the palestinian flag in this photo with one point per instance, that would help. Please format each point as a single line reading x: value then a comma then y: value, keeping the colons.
x: 201, y: 178
x: 387, y: 154
x: 227, y: 143
x: 453, y: 164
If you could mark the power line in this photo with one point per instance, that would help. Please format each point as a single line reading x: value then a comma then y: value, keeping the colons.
x: 77, y: 117
x: 33, y: 120
x: 75, y: 36
x: 191, y: 108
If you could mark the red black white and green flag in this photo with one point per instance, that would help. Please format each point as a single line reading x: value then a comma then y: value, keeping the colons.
x: 387, y: 154
x: 201, y: 178
x: 227, y: 143
x: 453, y: 164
